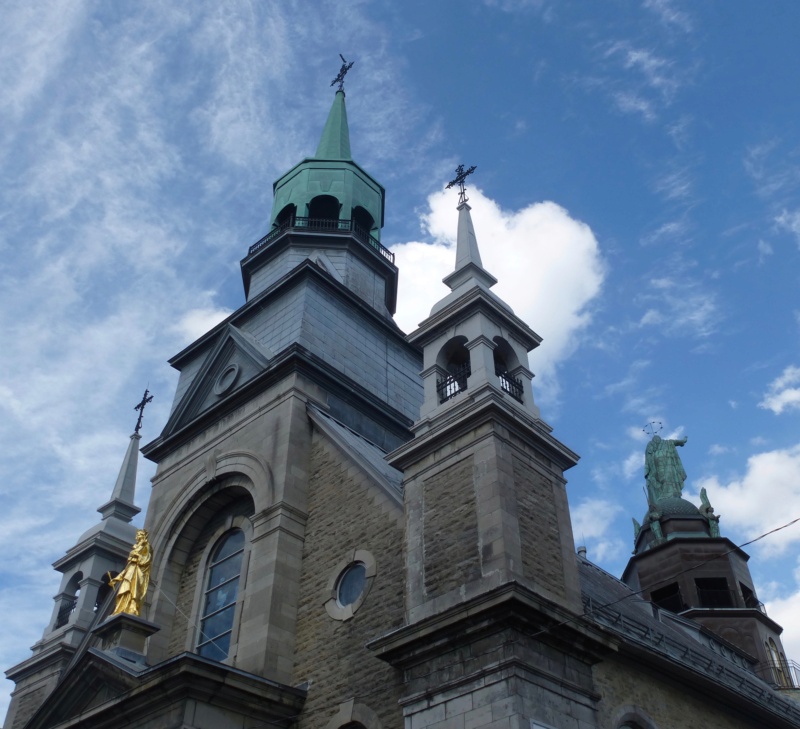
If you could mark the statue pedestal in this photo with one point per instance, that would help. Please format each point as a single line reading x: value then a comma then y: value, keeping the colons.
x: 125, y: 636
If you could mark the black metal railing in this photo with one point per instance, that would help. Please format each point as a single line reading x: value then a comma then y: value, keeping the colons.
x: 66, y: 609
x: 714, y: 598
x: 509, y: 384
x: 454, y: 383
x: 324, y: 225
x: 783, y: 674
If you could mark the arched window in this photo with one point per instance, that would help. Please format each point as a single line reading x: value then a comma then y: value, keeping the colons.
x: 505, y: 360
x: 69, y: 599
x: 454, y: 359
x: 285, y: 217
x: 363, y: 222
x: 779, y: 672
x: 219, y: 598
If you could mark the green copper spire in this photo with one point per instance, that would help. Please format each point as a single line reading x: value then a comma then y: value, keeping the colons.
x: 335, y: 142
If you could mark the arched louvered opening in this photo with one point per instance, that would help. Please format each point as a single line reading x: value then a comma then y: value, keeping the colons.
x: 323, y: 207
x: 69, y: 599
x: 505, y: 362
x: 363, y: 222
x: 454, y: 359
x: 285, y: 218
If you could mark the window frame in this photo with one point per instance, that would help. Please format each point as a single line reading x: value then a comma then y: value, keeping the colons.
x: 194, y: 635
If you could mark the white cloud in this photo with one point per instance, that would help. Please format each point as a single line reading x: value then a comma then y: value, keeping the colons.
x: 790, y: 222
x: 196, y: 322
x: 633, y: 464
x: 592, y: 522
x: 783, y: 392
x: 547, y: 263
x: 765, y: 497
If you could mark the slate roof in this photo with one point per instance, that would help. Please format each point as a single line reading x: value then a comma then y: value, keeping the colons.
x: 369, y: 456
x: 610, y: 603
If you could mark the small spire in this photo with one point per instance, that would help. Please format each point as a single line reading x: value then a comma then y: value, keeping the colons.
x: 335, y: 141
x: 468, y: 258
x: 121, y: 504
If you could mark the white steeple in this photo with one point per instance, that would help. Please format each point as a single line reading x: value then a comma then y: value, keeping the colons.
x: 472, y: 339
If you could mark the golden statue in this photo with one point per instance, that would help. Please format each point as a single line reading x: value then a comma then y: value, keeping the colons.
x: 134, y: 579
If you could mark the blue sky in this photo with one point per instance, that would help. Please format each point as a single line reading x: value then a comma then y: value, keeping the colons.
x: 637, y: 195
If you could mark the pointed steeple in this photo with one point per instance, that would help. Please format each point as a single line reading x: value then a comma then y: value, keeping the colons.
x: 469, y: 270
x: 335, y: 141
x: 121, y: 504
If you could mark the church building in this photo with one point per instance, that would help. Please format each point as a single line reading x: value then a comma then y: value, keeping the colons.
x: 353, y: 527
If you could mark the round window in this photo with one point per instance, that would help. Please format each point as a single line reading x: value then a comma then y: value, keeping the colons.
x: 351, y: 584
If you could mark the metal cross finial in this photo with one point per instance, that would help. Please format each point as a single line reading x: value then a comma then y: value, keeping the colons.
x: 140, y: 408
x: 342, y: 73
x: 461, y: 175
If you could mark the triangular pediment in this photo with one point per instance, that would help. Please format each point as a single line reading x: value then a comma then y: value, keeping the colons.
x: 234, y: 360
x: 94, y: 681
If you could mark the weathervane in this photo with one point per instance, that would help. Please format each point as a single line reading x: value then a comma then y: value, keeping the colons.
x: 653, y: 427
x: 342, y: 73
x: 140, y: 409
x: 461, y: 175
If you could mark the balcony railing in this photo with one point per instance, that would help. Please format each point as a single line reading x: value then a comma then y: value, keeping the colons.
x: 66, y: 609
x: 454, y: 383
x: 324, y: 225
x: 784, y: 674
x: 710, y: 598
x: 509, y: 384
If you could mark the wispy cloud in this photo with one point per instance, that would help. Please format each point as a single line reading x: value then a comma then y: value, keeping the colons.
x: 679, y: 306
x: 656, y: 71
x: 783, y: 392
x: 631, y: 103
x: 670, y: 15
x: 673, y: 231
x: 674, y: 185
x: 790, y: 222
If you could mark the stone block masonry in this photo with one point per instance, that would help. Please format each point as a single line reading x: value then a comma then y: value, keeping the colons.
x: 450, y: 529
x: 347, y: 512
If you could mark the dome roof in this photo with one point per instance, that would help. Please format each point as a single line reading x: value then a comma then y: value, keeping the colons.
x: 675, y: 506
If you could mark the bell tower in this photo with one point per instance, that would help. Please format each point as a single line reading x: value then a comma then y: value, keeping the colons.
x: 682, y: 563
x: 84, y: 588
x: 489, y: 548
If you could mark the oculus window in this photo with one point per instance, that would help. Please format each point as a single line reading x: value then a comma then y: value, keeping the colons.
x: 219, y: 598
x: 349, y: 584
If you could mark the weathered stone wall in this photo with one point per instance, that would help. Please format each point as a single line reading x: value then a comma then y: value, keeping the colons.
x: 450, y: 529
x: 346, y: 512
x: 540, y: 537
x: 623, y: 683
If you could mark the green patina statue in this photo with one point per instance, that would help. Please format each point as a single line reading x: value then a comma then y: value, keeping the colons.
x: 663, y: 469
